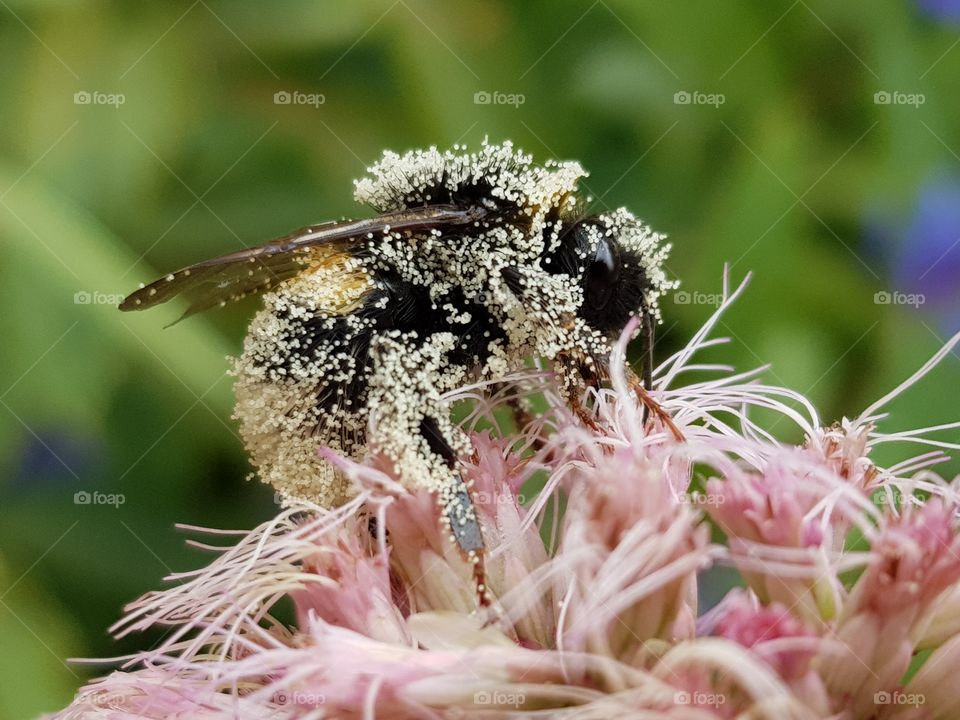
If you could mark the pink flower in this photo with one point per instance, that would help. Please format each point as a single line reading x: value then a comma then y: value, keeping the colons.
x: 632, y: 552
x: 353, y: 587
x: 771, y: 631
x: 591, y: 582
x: 915, y: 558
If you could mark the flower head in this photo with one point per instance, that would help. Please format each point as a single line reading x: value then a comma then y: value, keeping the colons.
x: 591, y: 580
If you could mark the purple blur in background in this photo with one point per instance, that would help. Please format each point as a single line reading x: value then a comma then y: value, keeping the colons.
x: 941, y: 9
x: 926, y: 261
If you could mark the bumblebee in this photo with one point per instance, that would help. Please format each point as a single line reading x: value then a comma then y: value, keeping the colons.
x: 474, y: 263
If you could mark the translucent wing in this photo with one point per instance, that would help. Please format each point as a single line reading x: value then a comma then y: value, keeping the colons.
x: 255, y: 270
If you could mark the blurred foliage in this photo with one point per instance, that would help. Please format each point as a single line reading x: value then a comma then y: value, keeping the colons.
x: 781, y: 179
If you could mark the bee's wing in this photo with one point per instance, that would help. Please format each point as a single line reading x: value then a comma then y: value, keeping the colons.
x: 255, y: 270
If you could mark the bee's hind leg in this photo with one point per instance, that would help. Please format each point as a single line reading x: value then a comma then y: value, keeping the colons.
x: 457, y: 507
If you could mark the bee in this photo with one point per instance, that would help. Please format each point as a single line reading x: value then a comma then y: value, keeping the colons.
x: 474, y: 263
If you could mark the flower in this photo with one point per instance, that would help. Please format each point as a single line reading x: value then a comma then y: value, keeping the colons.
x: 590, y: 607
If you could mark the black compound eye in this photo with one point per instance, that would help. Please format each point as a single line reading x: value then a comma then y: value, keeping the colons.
x: 602, y: 275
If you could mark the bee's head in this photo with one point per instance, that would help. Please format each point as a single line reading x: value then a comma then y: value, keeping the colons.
x: 602, y: 255
x: 594, y: 275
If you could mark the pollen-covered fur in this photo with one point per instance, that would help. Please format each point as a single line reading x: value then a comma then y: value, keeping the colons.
x: 355, y: 353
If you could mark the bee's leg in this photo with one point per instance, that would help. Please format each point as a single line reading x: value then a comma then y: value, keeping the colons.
x: 578, y: 374
x: 575, y: 377
x: 652, y: 406
x: 457, y: 507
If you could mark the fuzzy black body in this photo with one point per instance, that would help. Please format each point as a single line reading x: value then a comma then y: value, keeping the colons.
x: 611, y: 297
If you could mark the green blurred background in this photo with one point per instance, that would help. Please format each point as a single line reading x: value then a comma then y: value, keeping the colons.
x: 136, y: 138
